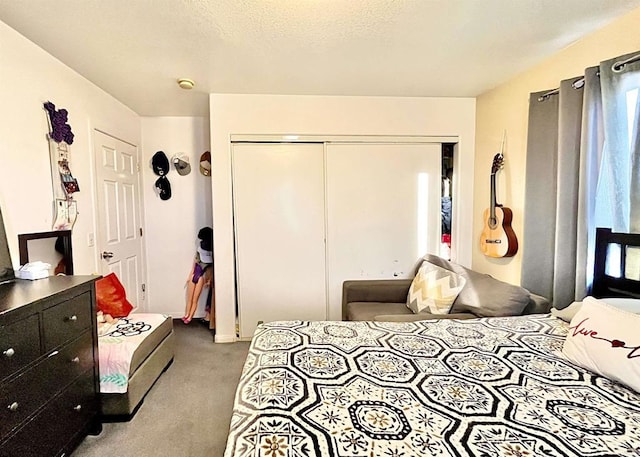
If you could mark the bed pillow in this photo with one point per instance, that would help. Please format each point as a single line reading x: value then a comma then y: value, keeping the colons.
x: 568, y: 312
x: 605, y: 339
x: 111, y: 297
x: 434, y: 289
x: 628, y: 304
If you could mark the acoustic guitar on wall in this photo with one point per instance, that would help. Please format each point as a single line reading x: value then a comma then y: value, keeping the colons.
x: 498, y: 238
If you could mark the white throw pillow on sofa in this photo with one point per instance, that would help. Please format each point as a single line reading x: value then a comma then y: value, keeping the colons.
x: 605, y: 339
x: 434, y: 289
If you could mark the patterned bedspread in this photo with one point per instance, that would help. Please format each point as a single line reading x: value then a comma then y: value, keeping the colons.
x: 481, y: 387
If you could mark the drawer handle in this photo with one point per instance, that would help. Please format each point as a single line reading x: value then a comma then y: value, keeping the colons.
x: 9, y: 352
x: 13, y: 406
x: 75, y: 360
x: 73, y: 318
x: 77, y: 407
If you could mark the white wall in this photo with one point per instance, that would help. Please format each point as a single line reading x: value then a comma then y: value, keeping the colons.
x: 506, y: 108
x: 327, y: 115
x: 29, y: 77
x: 172, y: 225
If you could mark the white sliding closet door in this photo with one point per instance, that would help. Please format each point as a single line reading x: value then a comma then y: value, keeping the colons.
x: 383, y: 211
x: 278, y: 193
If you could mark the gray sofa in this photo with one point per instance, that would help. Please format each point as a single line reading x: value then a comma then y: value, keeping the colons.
x: 482, y: 296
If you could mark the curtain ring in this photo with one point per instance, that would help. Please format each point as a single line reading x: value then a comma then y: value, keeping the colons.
x: 618, y: 67
x: 620, y: 64
x: 548, y: 95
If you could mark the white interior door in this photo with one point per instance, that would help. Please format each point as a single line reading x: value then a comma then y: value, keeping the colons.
x: 278, y: 194
x: 383, y: 211
x: 119, y: 227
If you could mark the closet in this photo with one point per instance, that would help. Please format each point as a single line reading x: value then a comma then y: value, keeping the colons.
x: 308, y: 216
x: 278, y: 194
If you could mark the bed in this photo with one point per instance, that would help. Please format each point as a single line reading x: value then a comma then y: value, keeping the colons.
x: 625, y: 248
x: 478, y: 387
x: 133, y: 352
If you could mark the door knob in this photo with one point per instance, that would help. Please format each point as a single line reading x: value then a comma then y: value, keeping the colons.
x: 107, y: 255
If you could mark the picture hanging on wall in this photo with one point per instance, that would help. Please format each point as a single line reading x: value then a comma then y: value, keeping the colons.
x: 66, y: 214
x: 60, y: 137
x: 69, y: 183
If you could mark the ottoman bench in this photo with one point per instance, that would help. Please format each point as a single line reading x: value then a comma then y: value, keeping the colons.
x: 133, y: 353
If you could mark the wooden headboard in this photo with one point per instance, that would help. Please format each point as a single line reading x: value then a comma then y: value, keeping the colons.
x: 609, y: 286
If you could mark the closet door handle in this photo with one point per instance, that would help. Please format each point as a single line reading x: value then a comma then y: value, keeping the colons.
x: 13, y: 406
x: 75, y: 360
x: 8, y: 353
x: 72, y: 318
x: 77, y: 407
x: 107, y: 255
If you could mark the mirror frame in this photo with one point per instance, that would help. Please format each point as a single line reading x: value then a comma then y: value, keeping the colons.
x: 66, y: 243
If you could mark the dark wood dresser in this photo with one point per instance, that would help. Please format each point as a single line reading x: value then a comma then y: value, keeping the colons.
x: 49, y: 378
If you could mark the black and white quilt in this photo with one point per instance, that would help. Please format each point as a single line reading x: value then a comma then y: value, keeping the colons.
x: 480, y: 387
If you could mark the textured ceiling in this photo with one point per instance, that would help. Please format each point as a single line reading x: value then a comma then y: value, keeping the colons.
x: 136, y: 49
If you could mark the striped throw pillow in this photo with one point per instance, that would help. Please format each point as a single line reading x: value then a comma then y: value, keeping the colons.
x: 434, y: 289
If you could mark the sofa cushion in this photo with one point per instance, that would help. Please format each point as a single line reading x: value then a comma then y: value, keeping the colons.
x: 434, y: 289
x: 421, y: 317
x: 482, y: 294
x: 537, y: 305
x: 367, y: 311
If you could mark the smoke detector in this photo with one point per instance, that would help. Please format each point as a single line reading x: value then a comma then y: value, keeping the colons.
x: 186, y: 84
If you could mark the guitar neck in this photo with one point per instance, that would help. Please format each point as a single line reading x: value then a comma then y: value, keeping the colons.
x: 493, y: 203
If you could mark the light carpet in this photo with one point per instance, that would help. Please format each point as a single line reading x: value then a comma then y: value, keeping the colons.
x: 188, y: 410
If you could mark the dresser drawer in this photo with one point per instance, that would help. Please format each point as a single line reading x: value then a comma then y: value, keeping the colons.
x: 19, y: 345
x: 32, y: 389
x: 52, y: 429
x: 66, y: 320
x: 70, y: 361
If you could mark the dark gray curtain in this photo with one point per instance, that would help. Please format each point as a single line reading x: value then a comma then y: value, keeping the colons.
x: 540, y: 191
x: 583, y: 172
x: 568, y: 180
x: 551, y: 223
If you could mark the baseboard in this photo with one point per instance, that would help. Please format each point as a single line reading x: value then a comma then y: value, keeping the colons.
x: 225, y: 338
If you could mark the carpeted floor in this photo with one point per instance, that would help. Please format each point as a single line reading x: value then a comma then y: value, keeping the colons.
x: 188, y: 410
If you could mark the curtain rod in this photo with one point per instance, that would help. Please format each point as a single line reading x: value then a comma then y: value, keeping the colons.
x: 619, y: 66
x: 577, y: 84
x: 547, y: 95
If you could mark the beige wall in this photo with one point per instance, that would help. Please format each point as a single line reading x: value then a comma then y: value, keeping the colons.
x: 505, y: 108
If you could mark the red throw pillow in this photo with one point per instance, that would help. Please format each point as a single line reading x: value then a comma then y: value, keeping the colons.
x: 111, y: 297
